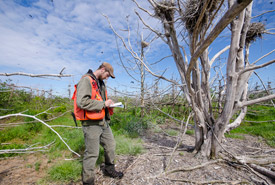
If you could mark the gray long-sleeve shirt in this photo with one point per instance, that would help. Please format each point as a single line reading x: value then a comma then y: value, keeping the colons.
x: 84, y: 101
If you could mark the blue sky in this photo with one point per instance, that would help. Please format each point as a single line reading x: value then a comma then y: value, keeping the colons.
x: 43, y: 36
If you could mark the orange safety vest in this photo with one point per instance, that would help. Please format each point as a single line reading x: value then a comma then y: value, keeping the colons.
x: 82, y: 114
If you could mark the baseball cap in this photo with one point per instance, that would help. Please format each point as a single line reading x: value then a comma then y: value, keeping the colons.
x: 109, y: 68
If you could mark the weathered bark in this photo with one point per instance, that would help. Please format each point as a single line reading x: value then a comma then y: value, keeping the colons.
x: 263, y: 171
x: 142, y: 104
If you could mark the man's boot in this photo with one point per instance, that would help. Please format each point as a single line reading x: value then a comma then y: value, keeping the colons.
x: 90, y: 182
x: 109, y: 170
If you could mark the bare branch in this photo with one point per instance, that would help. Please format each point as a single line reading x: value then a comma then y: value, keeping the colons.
x: 135, y: 56
x: 120, y: 59
x: 161, y: 59
x: 155, y: 31
x: 179, y: 140
x: 20, y: 123
x: 127, y: 94
x: 252, y: 67
x: 218, y: 54
x: 143, y: 9
x: 237, y: 121
x: 34, y: 75
x: 264, y: 87
x: 251, y: 102
x: 25, y: 87
x: 270, y: 33
x: 263, y: 171
x: 263, y: 57
x: 62, y: 70
x: 194, y: 167
x: 262, y: 14
x: 208, y: 182
x: 27, y: 150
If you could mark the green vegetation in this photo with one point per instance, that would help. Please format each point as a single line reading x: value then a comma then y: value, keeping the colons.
x: 259, y: 123
x: 190, y: 132
x: 171, y: 132
x: 126, y: 124
x: 235, y: 136
x: 34, y: 133
x: 37, y: 165
x: 65, y: 171
x: 125, y: 145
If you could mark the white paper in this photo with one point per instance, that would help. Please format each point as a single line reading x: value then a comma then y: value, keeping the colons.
x: 118, y: 104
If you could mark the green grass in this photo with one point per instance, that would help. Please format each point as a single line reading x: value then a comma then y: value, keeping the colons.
x: 127, y: 123
x: 37, y: 165
x: 125, y: 145
x: 65, y: 171
x: 235, y: 136
x: 172, y: 132
x: 190, y: 132
x: 264, y: 130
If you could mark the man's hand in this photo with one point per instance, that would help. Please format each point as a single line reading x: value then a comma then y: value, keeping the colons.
x: 108, y: 103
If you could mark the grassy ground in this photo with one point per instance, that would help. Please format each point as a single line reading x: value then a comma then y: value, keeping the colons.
x: 127, y: 126
x: 64, y: 171
x: 257, y: 114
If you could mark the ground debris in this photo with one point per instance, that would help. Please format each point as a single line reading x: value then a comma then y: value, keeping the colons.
x: 149, y: 167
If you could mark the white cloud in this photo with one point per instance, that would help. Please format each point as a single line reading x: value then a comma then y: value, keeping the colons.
x: 46, y: 36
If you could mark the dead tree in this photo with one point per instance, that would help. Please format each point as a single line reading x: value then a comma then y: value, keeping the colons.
x: 138, y: 65
x: 203, y: 26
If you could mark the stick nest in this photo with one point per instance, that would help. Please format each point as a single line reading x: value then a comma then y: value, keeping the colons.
x: 193, y: 10
x: 255, y: 31
x: 165, y: 11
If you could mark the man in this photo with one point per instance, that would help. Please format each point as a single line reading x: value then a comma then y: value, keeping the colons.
x: 92, y: 107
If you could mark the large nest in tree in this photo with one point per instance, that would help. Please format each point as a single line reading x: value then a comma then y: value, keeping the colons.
x: 193, y: 10
x: 255, y: 31
x: 164, y: 10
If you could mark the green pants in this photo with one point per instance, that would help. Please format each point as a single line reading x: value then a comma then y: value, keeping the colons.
x: 94, y: 136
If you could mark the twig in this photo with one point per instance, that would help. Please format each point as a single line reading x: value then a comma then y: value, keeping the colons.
x: 143, y: 9
x: 263, y: 57
x: 264, y: 87
x: 194, y: 167
x: 155, y: 31
x: 179, y: 139
x: 263, y: 13
x: 208, y: 182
